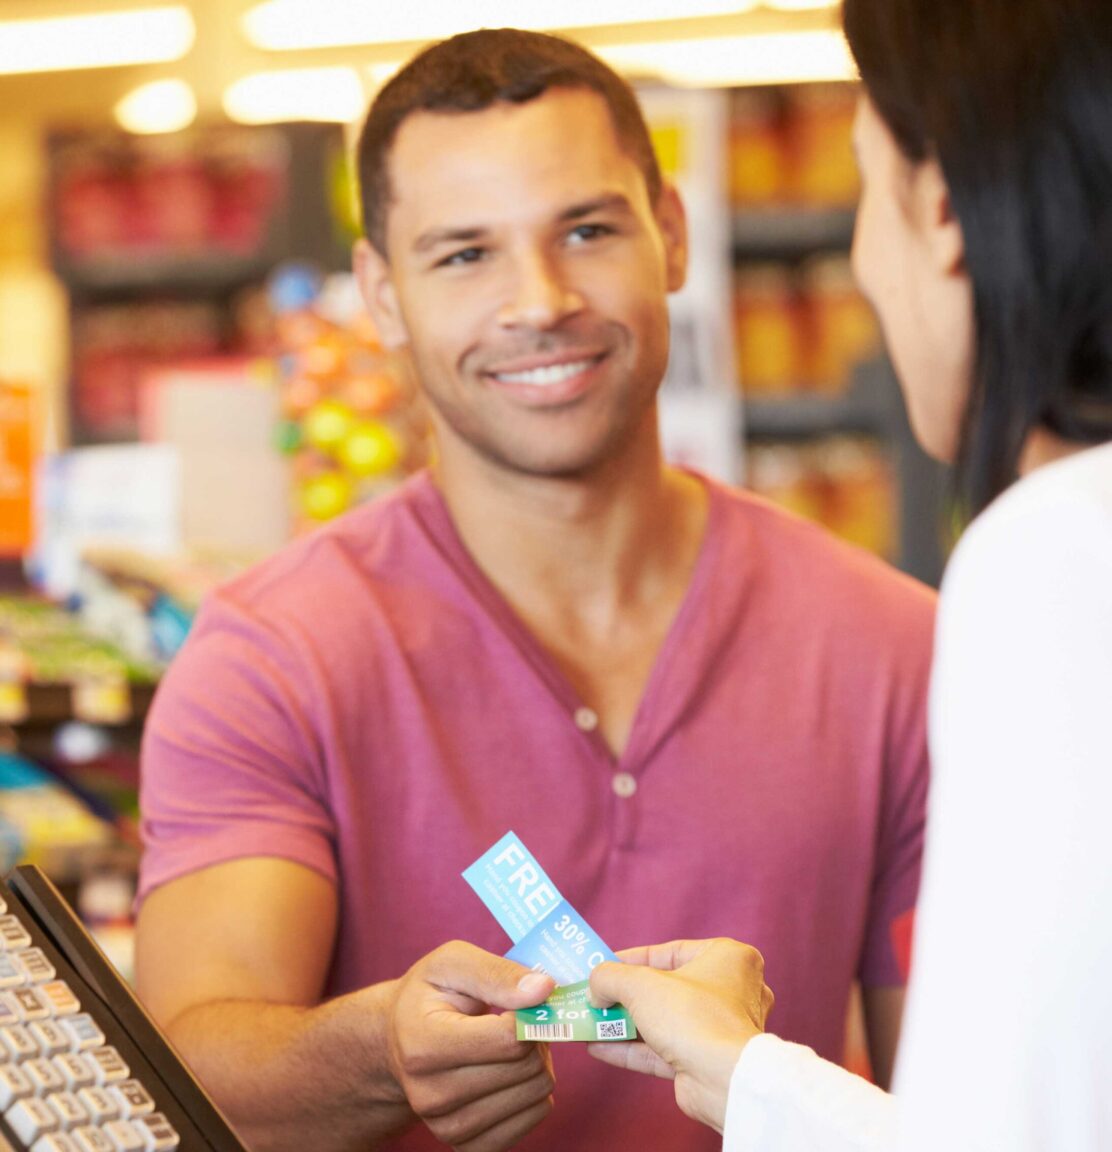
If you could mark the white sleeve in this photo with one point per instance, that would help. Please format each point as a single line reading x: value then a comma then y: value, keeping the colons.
x: 1007, y: 1039
x: 786, y: 1098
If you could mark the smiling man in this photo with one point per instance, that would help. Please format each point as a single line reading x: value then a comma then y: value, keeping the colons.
x: 704, y: 716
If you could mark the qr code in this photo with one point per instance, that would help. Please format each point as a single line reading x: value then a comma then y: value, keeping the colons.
x: 611, y: 1030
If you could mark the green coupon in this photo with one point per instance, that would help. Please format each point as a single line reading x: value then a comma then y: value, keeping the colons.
x: 568, y: 1015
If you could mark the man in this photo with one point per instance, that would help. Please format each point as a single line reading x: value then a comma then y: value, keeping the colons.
x: 703, y: 716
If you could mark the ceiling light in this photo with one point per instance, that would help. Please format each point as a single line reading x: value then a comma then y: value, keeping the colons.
x: 298, y: 24
x: 801, y: 5
x: 162, y: 106
x: 329, y: 94
x: 732, y: 61
x: 103, y: 40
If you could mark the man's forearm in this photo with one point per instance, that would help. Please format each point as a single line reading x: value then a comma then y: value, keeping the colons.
x: 289, y: 1077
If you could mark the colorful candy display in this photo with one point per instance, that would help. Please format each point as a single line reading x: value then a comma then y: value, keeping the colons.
x: 352, y: 420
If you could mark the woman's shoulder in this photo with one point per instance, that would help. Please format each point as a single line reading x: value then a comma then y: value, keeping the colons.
x: 1055, y: 522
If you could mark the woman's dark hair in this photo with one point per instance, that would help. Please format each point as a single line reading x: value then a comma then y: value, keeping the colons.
x: 470, y: 73
x: 1014, y: 98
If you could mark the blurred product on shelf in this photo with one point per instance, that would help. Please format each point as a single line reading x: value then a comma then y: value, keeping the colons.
x: 19, y: 446
x: 119, y: 196
x: 42, y: 646
x: 352, y: 419
x: 768, y: 329
x: 846, y: 483
x: 800, y: 327
x: 43, y: 822
x: 792, y: 146
x: 116, y: 345
x: 841, y: 328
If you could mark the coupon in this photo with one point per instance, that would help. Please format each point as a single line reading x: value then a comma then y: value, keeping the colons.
x: 550, y: 936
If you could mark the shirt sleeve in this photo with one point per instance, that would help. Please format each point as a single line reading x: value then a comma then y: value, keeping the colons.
x: 1007, y: 1038
x: 786, y: 1098
x: 230, y: 765
x: 903, y: 807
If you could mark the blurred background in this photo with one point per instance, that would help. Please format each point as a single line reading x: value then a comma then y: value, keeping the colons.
x: 187, y: 380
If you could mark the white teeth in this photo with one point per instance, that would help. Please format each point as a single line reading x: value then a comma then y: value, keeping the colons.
x: 542, y: 377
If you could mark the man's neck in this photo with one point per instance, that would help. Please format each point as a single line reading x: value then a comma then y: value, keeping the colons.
x: 585, y: 547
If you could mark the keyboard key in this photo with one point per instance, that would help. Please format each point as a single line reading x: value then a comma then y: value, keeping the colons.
x: 132, y: 1097
x: 100, y: 1106
x: 61, y: 998
x: 44, y: 1077
x: 17, y: 1041
x: 9, y: 1013
x: 30, y: 1002
x: 49, y: 1037
x: 158, y: 1132
x: 36, y: 966
x: 125, y: 1137
x: 54, y: 1142
x: 13, y: 936
x: 83, y: 1032
x: 13, y: 1086
x: 108, y: 1065
x: 92, y: 1140
x: 31, y: 1118
x: 69, y: 1110
x: 11, y: 974
x: 76, y: 1070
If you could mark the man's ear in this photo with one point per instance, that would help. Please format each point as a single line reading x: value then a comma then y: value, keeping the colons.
x: 672, y: 221
x: 372, y: 273
x: 940, y: 227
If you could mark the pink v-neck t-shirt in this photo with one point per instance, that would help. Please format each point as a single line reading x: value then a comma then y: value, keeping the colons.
x: 366, y: 705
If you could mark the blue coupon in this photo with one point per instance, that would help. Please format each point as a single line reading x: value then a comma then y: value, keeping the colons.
x: 547, y: 934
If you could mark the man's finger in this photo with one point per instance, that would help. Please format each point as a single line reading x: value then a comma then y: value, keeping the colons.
x: 469, y: 971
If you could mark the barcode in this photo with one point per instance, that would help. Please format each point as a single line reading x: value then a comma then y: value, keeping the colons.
x: 611, y: 1030
x: 548, y: 1032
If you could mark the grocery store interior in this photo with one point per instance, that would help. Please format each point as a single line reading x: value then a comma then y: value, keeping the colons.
x: 188, y: 380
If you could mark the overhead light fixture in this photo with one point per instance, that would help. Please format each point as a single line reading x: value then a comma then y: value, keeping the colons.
x: 328, y: 94
x: 96, y: 40
x: 285, y: 25
x: 161, y: 106
x: 801, y: 5
x: 737, y: 61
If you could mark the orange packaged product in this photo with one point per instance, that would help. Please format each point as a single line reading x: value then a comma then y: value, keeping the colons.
x: 823, y: 169
x: 767, y: 329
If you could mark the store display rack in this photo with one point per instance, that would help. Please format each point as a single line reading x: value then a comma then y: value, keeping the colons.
x: 161, y: 248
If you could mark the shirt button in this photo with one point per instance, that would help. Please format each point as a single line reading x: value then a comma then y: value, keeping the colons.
x: 586, y: 720
x: 624, y: 785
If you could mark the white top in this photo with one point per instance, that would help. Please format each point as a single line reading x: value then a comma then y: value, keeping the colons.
x: 1007, y: 1040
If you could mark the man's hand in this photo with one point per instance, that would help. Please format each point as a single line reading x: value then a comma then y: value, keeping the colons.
x: 461, y: 1068
x: 696, y: 1004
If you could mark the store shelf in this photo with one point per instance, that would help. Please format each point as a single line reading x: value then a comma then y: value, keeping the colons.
x: 865, y: 408
x: 789, y: 233
x: 210, y: 272
x: 48, y: 705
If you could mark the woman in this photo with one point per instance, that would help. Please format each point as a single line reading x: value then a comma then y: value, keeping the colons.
x: 984, y: 241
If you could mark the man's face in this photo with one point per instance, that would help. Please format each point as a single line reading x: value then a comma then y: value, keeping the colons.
x: 528, y: 273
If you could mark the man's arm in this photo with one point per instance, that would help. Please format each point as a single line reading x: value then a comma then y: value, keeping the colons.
x: 232, y: 962
x: 883, y: 1014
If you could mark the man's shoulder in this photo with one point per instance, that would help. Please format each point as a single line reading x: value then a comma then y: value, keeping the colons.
x: 336, y: 571
x: 785, y: 551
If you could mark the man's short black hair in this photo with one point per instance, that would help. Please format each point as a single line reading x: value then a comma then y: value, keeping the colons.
x: 470, y: 73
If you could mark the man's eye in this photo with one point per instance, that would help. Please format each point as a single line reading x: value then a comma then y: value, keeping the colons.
x: 585, y: 232
x: 463, y: 256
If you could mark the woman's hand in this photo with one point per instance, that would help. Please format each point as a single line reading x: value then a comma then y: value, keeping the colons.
x: 696, y: 1004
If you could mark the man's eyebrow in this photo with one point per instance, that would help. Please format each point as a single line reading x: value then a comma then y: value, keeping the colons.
x: 437, y: 236
x: 614, y: 202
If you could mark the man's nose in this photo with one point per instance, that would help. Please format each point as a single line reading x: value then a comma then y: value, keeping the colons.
x: 539, y: 296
